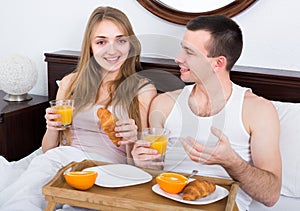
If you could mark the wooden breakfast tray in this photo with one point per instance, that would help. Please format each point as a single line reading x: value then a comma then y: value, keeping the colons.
x: 137, y: 197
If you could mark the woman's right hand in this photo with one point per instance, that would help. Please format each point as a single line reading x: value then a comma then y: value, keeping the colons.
x: 50, y: 116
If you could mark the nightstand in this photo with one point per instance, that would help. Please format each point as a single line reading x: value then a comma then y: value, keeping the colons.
x: 22, y: 126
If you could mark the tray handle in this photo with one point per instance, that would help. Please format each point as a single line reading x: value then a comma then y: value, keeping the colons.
x: 231, y: 196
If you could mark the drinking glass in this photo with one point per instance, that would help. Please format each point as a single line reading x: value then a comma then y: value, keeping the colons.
x: 65, y: 109
x: 158, y: 137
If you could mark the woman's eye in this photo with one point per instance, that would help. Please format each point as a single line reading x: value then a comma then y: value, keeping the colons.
x: 122, y: 41
x: 101, y: 42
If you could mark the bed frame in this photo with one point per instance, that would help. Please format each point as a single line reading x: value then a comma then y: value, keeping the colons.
x: 273, y: 84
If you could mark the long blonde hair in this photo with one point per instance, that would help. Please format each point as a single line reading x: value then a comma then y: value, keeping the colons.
x: 85, y: 86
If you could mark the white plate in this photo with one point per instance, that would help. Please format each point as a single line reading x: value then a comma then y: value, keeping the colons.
x: 119, y: 175
x: 217, y: 195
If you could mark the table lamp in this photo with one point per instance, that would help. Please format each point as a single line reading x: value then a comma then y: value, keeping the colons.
x: 18, y: 75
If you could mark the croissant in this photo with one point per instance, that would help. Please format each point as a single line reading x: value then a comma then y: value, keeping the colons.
x: 107, y: 122
x: 197, y: 189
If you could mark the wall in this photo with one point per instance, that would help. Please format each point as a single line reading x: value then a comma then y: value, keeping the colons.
x: 34, y: 27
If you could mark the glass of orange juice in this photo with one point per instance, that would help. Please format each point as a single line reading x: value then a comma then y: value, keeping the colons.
x: 159, y: 140
x: 65, y: 109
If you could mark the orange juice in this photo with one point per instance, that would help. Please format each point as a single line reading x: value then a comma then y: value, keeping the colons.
x: 66, y: 112
x: 65, y: 109
x: 158, y: 143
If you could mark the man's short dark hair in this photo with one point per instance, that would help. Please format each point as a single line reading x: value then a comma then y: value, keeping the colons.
x: 226, y: 36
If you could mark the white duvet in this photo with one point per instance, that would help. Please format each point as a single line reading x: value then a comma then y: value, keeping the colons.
x: 22, y: 181
x: 10, y: 171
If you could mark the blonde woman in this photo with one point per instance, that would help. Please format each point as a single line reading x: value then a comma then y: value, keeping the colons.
x: 105, y: 78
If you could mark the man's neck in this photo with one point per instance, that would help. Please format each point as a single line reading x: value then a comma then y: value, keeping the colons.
x: 210, y: 99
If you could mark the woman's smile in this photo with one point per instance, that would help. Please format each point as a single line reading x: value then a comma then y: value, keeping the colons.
x: 112, y: 60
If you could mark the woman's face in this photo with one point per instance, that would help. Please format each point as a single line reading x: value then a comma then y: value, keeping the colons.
x: 110, y: 45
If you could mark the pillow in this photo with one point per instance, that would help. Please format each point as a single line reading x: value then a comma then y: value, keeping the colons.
x: 289, y: 116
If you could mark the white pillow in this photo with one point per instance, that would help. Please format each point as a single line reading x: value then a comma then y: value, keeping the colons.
x: 289, y: 116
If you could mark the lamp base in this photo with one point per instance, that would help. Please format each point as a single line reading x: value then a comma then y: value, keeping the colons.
x: 17, y: 98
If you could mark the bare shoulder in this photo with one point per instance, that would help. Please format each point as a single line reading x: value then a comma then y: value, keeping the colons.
x: 66, y: 80
x: 259, y: 103
x: 146, y: 86
x: 146, y: 93
x: 64, y: 84
x: 165, y: 101
x: 161, y: 107
x: 258, y: 111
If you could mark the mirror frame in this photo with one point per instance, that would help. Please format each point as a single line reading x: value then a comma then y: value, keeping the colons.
x: 182, y: 18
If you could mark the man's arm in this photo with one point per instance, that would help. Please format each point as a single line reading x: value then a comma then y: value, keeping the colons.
x: 262, y: 180
x: 159, y: 110
x: 145, y: 96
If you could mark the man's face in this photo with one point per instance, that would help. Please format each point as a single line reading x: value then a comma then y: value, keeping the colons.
x: 192, y: 60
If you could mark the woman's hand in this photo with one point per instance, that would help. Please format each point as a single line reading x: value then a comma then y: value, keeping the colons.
x: 50, y: 139
x: 127, y: 130
x: 143, y: 155
x: 50, y: 116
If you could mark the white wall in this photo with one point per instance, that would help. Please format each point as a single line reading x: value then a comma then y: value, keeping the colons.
x: 33, y: 27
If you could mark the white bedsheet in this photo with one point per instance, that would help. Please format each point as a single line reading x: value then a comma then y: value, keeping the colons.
x: 10, y: 171
x: 24, y: 192
x: 284, y: 203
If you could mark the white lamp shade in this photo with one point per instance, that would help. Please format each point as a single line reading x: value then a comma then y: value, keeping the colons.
x: 18, y: 75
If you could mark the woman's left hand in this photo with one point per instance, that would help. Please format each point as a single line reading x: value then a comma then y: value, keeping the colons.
x: 126, y: 129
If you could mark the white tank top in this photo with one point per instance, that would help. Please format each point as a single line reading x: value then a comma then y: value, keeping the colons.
x: 182, y: 122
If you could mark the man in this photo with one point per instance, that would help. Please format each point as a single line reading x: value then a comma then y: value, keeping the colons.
x: 217, y: 127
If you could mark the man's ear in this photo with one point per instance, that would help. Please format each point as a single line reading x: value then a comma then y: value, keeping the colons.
x: 220, y: 63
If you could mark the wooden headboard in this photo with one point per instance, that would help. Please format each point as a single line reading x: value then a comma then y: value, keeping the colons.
x: 273, y: 84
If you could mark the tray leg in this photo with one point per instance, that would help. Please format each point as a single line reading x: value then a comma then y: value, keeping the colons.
x: 50, y: 206
x: 231, y: 198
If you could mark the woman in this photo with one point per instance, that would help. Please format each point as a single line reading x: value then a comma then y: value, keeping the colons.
x: 105, y: 77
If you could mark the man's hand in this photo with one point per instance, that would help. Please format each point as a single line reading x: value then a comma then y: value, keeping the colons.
x: 221, y: 154
x: 143, y: 155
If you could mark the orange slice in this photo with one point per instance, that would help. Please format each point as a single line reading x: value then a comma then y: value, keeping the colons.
x: 171, y: 182
x: 81, y: 180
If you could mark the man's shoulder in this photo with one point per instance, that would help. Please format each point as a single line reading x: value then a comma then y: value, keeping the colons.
x: 165, y: 101
x: 161, y: 107
x: 258, y: 112
x: 168, y: 96
x: 253, y: 102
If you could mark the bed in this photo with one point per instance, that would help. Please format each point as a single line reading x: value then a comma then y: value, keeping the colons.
x: 282, y: 87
